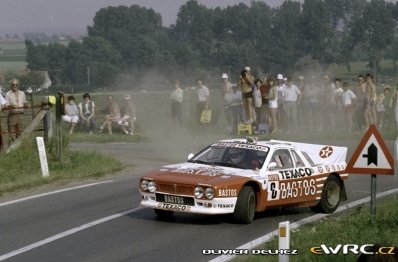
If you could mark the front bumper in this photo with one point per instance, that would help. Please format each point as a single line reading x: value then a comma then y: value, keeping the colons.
x: 225, y: 205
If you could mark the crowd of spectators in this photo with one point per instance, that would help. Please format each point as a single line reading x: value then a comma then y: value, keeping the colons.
x: 310, y: 103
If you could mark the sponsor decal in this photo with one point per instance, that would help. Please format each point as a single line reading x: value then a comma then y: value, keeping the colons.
x: 296, y: 173
x: 320, y: 169
x: 227, y: 192
x: 175, y: 207
x: 327, y: 168
x: 225, y: 176
x: 273, y: 177
x: 326, y: 152
x: 278, y: 190
x: 223, y: 205
x: 242, y: 145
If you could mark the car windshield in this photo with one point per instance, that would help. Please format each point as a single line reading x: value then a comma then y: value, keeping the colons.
x: 238, y: 155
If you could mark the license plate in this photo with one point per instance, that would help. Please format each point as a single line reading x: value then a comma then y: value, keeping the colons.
x: 174, y: 199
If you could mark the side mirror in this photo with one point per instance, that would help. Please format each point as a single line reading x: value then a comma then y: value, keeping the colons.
x: 190, y: 156
x: 272, y: 166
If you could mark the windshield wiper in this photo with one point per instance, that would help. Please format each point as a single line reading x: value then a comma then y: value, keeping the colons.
x: 226, y: 164
x: 198, y: 161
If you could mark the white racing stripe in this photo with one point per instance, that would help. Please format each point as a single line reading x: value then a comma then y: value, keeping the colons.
x: 268, y: 237
x: 52, y: 193
x: 67, y: 233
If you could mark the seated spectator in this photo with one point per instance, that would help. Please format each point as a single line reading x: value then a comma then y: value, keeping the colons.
x: 87, y: 113
x: 128, y: 119
x: 71, y: 113
x: 113, y: 116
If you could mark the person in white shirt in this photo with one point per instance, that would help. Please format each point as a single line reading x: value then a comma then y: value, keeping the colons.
x: 176, y: 98
x: 15, y: 102
x: 2, y: 103
x: 348, y: 99
x: 291, y: 95
x: 71, y: 113
x: 203, y: 99
x: 87, y: 113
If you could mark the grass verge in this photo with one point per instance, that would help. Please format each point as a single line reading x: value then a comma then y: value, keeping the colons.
x: 353, y: 227
x: 20, y: 169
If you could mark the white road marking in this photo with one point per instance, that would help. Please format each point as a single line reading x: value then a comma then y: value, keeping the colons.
x: 67, y: 233
x: 268, y: 237
x: 52, y: 193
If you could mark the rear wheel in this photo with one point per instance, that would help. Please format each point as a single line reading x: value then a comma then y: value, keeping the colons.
x: 245, y: 206
x: 330, y: 198
x: 164, y: 213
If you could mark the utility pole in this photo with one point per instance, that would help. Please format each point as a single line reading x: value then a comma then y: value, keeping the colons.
x: 88, y: 76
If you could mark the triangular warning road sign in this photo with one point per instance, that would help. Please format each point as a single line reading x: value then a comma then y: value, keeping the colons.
x: 371, y: 156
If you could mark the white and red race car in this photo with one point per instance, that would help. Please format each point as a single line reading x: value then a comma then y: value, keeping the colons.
x: 243, y: 176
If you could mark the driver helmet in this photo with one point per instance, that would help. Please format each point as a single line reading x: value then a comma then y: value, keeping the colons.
x: 236, y: 155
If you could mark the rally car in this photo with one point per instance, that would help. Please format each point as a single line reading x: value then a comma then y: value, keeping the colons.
x: 244, y: 176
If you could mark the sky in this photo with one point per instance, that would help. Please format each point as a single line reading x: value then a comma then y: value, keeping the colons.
x: 30, y: 15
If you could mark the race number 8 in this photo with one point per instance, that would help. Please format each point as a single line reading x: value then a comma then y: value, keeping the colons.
x: 273, y: 190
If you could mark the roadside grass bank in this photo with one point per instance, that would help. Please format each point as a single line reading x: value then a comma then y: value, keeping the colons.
x: 20, y: 169
x: 352, y: 227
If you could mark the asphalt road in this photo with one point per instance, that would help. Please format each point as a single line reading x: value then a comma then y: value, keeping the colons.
x: 103, y: 222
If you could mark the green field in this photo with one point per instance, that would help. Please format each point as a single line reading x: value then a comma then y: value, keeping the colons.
x: 12, y: 55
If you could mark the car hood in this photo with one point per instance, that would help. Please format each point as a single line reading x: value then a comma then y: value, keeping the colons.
x: 192, y: 173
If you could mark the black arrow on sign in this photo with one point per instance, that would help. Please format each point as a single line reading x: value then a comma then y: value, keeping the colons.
x: 372, y: 154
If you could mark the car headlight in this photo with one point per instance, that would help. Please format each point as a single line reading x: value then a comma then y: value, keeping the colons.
x: 198, y: 192
x: 209, y: 193
x: 152, y: 186
x: 144, y: 185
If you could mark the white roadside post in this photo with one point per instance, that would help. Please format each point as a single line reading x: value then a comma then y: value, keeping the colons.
x: 284, y: 240
x: 43, y: 157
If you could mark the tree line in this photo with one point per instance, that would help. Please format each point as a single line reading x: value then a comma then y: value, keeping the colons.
x: 127, y: 41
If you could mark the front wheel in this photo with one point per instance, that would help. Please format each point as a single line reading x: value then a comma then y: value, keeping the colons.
x: 245, y: 206
x: 330, y: 198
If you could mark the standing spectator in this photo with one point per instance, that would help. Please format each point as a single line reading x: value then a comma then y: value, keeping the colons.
x: 313, y: 94
x: 176, y: 98
x: 301, y: 109
x: 87, y: 113
x: 71, y: 113
x: 235, y: 108
x: 281, y: 101
x: 16, y: 102
x: 227, y: 90
x: 329, y: 104
x: 257, y: 102
x: 264, y: 89
x: 129, y: 116
x: 292, y: 99
x: 112, y: 116
x: 2, y: 104
x: 394, y: 104
x: 371, y: 96
x: 380, y: 108
x: 360, y: 106
x: 273, y: 103
x: 348, y: 100
x: 203, y: 99
x: 246, y: 85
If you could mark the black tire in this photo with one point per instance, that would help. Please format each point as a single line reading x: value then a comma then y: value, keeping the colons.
x: 245, y: 208
x: 330, y: 198
x: 163, y: 214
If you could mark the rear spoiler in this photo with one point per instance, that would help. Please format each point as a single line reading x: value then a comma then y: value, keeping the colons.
x: 320, y: 154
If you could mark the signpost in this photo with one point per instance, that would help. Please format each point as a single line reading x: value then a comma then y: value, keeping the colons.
x: 372, y: 157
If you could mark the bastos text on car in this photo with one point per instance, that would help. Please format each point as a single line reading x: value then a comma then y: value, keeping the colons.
x: 244, y: 176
